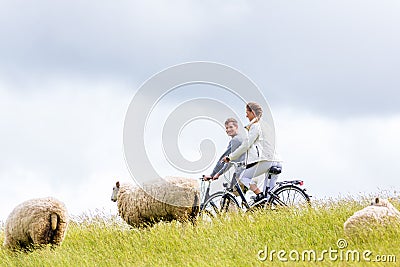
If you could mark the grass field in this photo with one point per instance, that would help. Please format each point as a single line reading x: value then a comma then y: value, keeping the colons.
x: 250, y: 239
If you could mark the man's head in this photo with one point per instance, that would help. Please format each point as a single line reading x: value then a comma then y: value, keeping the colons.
x: 231, y: 126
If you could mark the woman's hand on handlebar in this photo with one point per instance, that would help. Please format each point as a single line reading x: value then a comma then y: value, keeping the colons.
x: 226, y: 159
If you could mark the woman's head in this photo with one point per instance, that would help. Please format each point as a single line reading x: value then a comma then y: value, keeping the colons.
x: 253, y: 110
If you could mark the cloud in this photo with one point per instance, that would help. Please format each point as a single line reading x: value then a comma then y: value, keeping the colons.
x: 337, y: 58
x: 339, y: 156
x: 102, y: 38
x: 59, y: 142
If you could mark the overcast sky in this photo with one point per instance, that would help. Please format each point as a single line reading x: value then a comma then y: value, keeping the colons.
x: 69, y: 69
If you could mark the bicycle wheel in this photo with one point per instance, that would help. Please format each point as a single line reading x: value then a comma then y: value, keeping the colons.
x: 217, y: 204
x: 289, y: 196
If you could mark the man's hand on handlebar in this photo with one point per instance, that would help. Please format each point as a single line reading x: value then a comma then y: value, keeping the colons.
x: 216, y: 176
x: 208, y: 177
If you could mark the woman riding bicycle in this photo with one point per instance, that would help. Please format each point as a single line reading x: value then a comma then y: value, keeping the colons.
x: 260, y: 152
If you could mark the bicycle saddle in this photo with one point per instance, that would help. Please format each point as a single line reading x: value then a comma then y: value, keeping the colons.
x: 275, y: 170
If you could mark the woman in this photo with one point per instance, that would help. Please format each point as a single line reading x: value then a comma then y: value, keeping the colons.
x: 260, y: 152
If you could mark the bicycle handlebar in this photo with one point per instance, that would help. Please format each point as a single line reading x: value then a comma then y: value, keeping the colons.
x: 234, y: 163
x: 203, y: 179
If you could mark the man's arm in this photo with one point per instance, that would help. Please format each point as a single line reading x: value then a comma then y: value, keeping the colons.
x: 234, y: 144
x: 221, y: 165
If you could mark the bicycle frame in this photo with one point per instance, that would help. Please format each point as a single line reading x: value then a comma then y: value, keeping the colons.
x: 267, y: 191
x: 278, y: 195
x: 205, y: 195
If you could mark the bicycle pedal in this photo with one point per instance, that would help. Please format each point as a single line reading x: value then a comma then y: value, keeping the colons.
x: 254, y: 198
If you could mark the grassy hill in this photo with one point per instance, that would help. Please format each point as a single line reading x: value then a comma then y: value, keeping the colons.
x: 264, y: 238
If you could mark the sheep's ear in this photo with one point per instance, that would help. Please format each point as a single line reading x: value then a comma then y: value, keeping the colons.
x: 117, y: 184
x: 377, y: 200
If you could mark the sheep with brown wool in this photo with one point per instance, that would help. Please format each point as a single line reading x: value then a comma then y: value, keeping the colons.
x: 177, y: 199
x: 36, y: 223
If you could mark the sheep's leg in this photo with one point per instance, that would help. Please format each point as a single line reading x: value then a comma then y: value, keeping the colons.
x: 35, y: 239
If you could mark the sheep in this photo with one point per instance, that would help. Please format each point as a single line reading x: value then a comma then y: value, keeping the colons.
x: 36, y: 223
x: 178, y: 200
x: 380, y: 212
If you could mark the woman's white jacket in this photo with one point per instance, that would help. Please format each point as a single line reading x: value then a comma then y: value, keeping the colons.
x: 259, y: 144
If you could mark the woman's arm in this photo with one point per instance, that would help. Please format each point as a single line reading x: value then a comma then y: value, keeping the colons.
x: 252, y: 136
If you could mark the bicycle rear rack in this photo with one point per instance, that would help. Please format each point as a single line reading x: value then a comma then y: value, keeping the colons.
x: 294, y: 182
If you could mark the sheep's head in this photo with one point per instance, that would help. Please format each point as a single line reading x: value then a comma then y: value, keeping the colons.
x: 115, y: 192
x: 380, y: 202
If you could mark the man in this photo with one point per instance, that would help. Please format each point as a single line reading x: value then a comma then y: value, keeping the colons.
x: 231, y: 126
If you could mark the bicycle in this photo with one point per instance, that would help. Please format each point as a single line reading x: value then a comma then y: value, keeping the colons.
x: 283, y: 194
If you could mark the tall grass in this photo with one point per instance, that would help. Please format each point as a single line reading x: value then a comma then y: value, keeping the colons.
x: 236, y: 240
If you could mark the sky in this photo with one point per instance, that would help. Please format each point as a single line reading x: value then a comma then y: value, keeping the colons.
x: 69, y: 70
